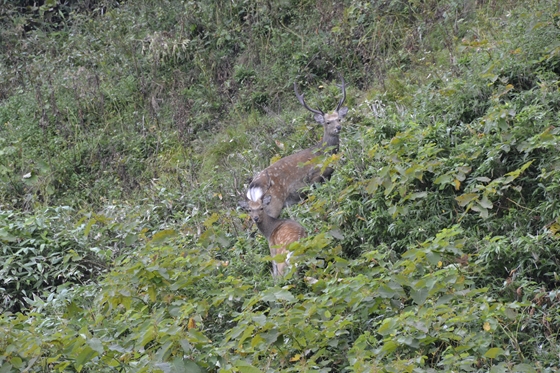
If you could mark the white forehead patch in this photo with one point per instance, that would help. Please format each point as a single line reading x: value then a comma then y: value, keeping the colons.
x: 255, y: 194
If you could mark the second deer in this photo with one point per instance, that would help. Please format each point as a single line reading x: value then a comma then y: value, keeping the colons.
x: 292, y: 173
x: 280, y: 233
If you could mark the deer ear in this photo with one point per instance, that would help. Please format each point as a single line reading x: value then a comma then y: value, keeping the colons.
x: 319, y: 118
x: 244, y: 205
x: 266, y: 199
x: 342, y: 112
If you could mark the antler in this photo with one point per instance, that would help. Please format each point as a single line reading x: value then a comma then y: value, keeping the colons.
x: 343, y: 87
x: 302, y: 101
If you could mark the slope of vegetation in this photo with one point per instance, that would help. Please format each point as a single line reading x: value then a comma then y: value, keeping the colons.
x: 128, y: 131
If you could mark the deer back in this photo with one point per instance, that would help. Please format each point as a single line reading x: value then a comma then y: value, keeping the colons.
x: 284, y: 178
x: 289, y: 175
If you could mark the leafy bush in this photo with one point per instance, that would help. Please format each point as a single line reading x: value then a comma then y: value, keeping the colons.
x: 35, y: 260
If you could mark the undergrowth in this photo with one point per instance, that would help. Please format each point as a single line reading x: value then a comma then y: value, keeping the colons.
x: 130, y: 131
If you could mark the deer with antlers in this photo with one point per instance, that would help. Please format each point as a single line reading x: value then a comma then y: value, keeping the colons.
x: 280, y: 233
x: 292, y: 173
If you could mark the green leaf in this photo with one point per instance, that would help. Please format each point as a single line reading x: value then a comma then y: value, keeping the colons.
x: 386, y: 292
x: 485, y: 203
x: 16, y: 362
x: 187, y: 366
x: 389, y: 346
x: 274, y: 294
x: 373, y: 185
x: 96, y: 345
x: 419, y: 296
x: 211, y: 220
x: 130, y: 239
x: 494, y: 352
x: 443, y: 179
x: 185, y: 345
x: 149, y: 335
x: 418, y: 195
x: 89, y: 224
x: 85, y: 356
x: 387, y: 327
x: 270, y: 337
x: 514, y: 174
x: 464, y: 199
x: 248, y: 332
x: 6, y: 236
x: 161, y: 236
x: 336, y: 233
x: 245, y: 367
x: 524, y: 368
x: 197, y: 337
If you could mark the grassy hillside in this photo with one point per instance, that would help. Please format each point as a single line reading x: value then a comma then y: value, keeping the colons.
x: 129, y: 131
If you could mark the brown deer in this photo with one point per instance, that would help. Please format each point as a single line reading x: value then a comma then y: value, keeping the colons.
x: 280, y: 233
x: 292, y: 173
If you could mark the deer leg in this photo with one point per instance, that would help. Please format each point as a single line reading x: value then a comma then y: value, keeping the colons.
x: 319, y: 178
x: 327, y: 174
x: 274, y: 264
x: 281, y: 267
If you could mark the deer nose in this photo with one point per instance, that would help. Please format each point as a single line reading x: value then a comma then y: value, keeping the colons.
x: 256, y: 219
x: 338, y: 128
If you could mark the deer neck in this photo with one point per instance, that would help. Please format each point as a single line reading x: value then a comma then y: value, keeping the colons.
x: 329, y: 143
x: 268, y: 225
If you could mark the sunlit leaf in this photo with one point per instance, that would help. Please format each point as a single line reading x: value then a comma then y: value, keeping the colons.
x: 494, y: 352
x: 211, y: 220
x: 464, y: 199
x: 161, y: 236
x: 457, y: 184
x: 387, y: 327
x: 295, y: 358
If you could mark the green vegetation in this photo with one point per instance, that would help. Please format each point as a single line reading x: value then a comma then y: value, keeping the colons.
x: 128, y: 131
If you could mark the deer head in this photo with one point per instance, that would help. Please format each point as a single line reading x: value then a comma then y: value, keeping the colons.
x: 255, y: 203
x: 330, y: 122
